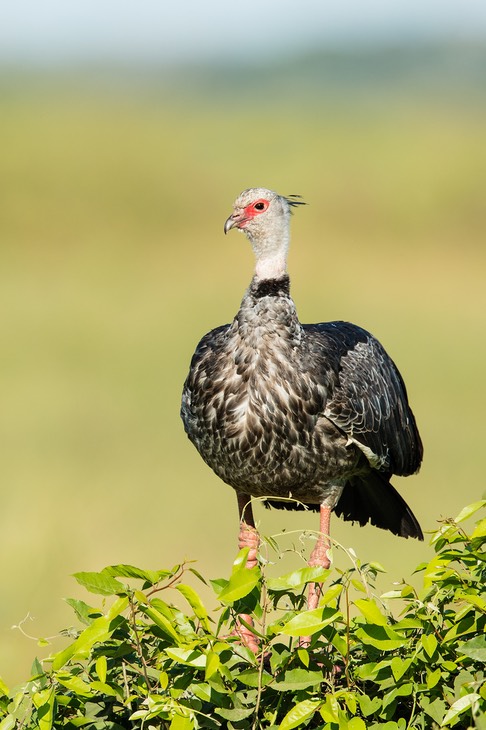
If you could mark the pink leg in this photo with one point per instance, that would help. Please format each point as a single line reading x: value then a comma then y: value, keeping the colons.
x: 249, y: 538
x: 319, y: 556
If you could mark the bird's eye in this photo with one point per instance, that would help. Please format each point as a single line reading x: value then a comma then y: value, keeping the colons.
x: 261, y: 205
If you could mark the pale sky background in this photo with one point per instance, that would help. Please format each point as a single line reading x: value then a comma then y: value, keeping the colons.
x: 46, y: 31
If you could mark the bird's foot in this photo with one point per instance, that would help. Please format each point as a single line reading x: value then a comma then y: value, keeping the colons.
x: 319, y: 556
x: 249, y: 538
x: 315, y: 591
x: 246, y: 635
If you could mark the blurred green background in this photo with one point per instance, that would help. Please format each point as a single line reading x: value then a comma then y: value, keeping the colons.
x: 114, y: 187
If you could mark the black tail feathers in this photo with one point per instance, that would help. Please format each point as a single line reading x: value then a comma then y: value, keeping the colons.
x: 373, y: 499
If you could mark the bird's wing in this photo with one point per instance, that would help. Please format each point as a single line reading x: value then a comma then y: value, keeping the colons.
x: 367, y: 398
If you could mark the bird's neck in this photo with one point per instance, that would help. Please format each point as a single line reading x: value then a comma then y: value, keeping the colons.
x: 279, y: 287
x: 267, y: 321
x: 271, y: 255
x: 271, y: 267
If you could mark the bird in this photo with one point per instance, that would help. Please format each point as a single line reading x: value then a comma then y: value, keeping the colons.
x: 302, y: 416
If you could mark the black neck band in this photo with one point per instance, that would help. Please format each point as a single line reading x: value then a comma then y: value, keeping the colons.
x: 271, y: 287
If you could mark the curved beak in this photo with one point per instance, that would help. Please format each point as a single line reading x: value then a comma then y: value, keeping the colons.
x: 230, y: 223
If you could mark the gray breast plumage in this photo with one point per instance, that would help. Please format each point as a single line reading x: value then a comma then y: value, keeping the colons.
x: 281, y: 409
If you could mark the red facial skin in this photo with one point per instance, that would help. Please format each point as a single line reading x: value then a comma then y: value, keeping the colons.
x: 251, y: 211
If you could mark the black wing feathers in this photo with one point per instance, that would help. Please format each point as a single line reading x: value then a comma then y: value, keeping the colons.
x: 367, y: 398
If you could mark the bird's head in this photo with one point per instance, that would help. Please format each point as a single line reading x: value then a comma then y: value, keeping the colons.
x: 264, y: 217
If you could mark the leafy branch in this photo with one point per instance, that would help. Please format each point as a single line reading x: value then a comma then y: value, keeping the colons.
x: 140, y: 661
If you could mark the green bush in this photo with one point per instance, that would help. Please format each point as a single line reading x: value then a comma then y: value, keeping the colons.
x: 142, y: 662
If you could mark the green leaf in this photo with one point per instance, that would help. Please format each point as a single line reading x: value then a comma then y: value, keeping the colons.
x: 3, y: 687
x: 435, y: 709
x: 461, y: 705
x: 190, y: 657
x: 84, y: 612
x: 163, y: 608
x: 252, y: 678
x: 74, y: 684
x: 408, y: 623
x: 162, y: 622
x: 294, y: 680
x: 370, y: 670
x: 241, y: 560
x: 369, y: 706
x: 298, y: 578
x: 370, y: 611
x: 241, y: 583
x: 331, y: 594
x: 101, y: 665
x: 475, y: 648
x: 329, y: 710
x: 399, y: 667
x: 213, y: 663
x: 468, y: 511
x: 196, y: 604
x: 37, y: 671
x: 300, y: 713
x: 198, y: 575
x: 391, y: 594
x: 356, y: 723
x: 44, y: 702
x: 236, y: 714
x: 449, y: 666
x: 433, y: 678
x: 98, y: 631
x: 106, y: 689
x: 378, y: 567
x: 429, y: 642
x: 338, y: 641
x: 303, y: 655
x: 181, y: 722
x: 381, y: 637
x: 350, y: 699
x: 307, y: 623
x: 479, y: 530
x: 473, y: 599
x: 8, y: 723
x: 403, y: 690
x: 101, y: 583
x: 130, y: 571
x: 218, y: 584
x: 117, y: 607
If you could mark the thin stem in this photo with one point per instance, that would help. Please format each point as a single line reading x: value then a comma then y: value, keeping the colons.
x: 178, y: 575
x: 139, y: 645
x: 125, y: 683
x: 348, y: 639
x: 261, y: 658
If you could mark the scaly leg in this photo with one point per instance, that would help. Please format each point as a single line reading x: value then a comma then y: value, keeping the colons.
x: 248, y: 537
x: 319, y: 556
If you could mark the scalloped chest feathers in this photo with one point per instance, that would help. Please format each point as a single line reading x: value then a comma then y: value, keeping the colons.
x: 255, y: 405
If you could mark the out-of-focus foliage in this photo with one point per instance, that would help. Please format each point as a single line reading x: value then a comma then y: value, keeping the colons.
x: 141, y: 660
